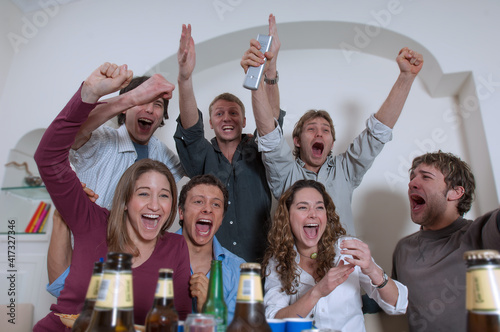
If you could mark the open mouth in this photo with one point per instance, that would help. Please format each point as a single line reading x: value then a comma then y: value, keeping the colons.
x: 150, y: 221
x: 203, y: 227
x: 416, y: 201
x: 317, y: 149
x: 227, y: 128
x: 311, y: 230
x: 144, y: 123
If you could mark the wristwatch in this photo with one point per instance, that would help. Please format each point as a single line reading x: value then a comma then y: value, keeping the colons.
x: 382, y: 285
x: 272, y: 80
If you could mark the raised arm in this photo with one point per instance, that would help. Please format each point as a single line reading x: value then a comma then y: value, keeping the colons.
x: 271, y: 73
x: 266, y: 99
x: 155, y: 87
x: 410, y: 63
x: 186, y: 56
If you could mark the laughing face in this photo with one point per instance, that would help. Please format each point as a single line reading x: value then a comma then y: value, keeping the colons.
x: 430, y: 199
x: 202, y: 214
x: 307, y: 219
x: 227, y: 120
x: 142, y: 121
x: 149, y: 207
x: 315, y: 143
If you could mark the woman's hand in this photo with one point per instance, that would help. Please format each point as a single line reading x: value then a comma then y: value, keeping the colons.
x: 333, y: 278
x: 362, y: 257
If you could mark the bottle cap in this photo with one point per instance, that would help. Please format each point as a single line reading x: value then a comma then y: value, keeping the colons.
x: 166, y: 271
x: 250, y: 266
x: 481, y: 255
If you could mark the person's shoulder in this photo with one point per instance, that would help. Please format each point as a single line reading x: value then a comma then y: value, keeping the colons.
x: 407, y: 241
x: 233, y: 259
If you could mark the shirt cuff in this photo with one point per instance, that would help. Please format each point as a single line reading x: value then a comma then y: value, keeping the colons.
x: 271, y: 140
x: 379, y: 130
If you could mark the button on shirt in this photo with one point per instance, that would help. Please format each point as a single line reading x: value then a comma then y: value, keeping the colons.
x: 243, y: 230
x: 341, y: 309
x: 230, y: 275
x: 340, y: 174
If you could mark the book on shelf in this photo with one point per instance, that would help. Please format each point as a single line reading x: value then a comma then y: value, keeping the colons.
x: 29, y: 228
x: 42, y: 219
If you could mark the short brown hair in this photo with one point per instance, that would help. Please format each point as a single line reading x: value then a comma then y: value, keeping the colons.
x: 134, y: 83
x: 207, y: 179
x: 227, y: 97
x: 118, y: 238
x: 311, y: 114
x: 457, y: 173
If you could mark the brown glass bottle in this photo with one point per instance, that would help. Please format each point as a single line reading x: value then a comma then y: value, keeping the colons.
x: 114, y: 308
x: 249, y: 314
x: 482, y: 290
x: 163, y: 317
x: 83, y: 320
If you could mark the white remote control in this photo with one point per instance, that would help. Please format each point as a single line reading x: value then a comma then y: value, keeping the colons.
x: 254, y: 74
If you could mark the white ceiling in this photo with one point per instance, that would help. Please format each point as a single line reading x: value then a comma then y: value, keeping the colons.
x: 27, y: 6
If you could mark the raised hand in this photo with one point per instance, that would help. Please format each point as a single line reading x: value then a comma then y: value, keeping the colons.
x: 106, y: 79
x: 186, y: 55
x: 409, y: 61
x: 275, y: 45
x: 155, y: 87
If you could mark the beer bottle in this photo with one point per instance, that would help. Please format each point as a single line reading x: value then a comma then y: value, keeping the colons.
x: 114, y: 308
x: 215, y: 304
x: 163, y: 317
x: 83, y: 320
x: 482, y: 290
x: 249, y: 314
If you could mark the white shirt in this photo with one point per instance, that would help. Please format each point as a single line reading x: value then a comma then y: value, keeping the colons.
x: 341, y: 309
x: 103, y: 159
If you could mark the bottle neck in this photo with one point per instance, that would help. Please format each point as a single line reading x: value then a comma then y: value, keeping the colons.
x: 163, y: 302
x: 215, y: 288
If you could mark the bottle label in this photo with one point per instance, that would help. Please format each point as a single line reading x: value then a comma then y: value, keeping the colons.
x: 249, y: 290
x: 483, y: 293
x: 165, y: 289
x: 115, y: 291
x: 94, y: 285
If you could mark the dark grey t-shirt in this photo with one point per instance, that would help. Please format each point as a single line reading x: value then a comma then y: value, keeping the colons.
x: 431, y: 265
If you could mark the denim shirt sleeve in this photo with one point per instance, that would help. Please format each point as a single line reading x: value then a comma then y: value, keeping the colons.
x: 57, y: 286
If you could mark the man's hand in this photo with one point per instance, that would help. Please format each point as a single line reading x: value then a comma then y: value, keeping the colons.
x: 186, y: 55
x: 198, y: 287
x: 90, y: 193
x: 409, y: 61
x: 275, y: 46
x: 106, y: 79
x: 155, y: 87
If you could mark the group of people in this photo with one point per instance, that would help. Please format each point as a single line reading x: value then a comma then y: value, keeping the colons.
x: 130, y: 200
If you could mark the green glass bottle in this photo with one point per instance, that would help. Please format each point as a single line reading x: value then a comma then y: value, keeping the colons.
x: 215, y: 304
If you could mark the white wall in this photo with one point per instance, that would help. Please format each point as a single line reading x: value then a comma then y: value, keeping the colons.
x: 458, y: 39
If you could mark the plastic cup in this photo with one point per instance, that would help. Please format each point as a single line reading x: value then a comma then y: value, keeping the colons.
x: 298, y: 324
x: 277, y: 325
x: 199, y: 323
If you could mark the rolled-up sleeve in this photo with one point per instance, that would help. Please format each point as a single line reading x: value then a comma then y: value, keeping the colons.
x: 274, y: 298
x: 372, y: 292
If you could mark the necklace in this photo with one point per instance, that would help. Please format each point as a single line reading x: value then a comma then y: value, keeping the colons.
x: 314, y: 255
